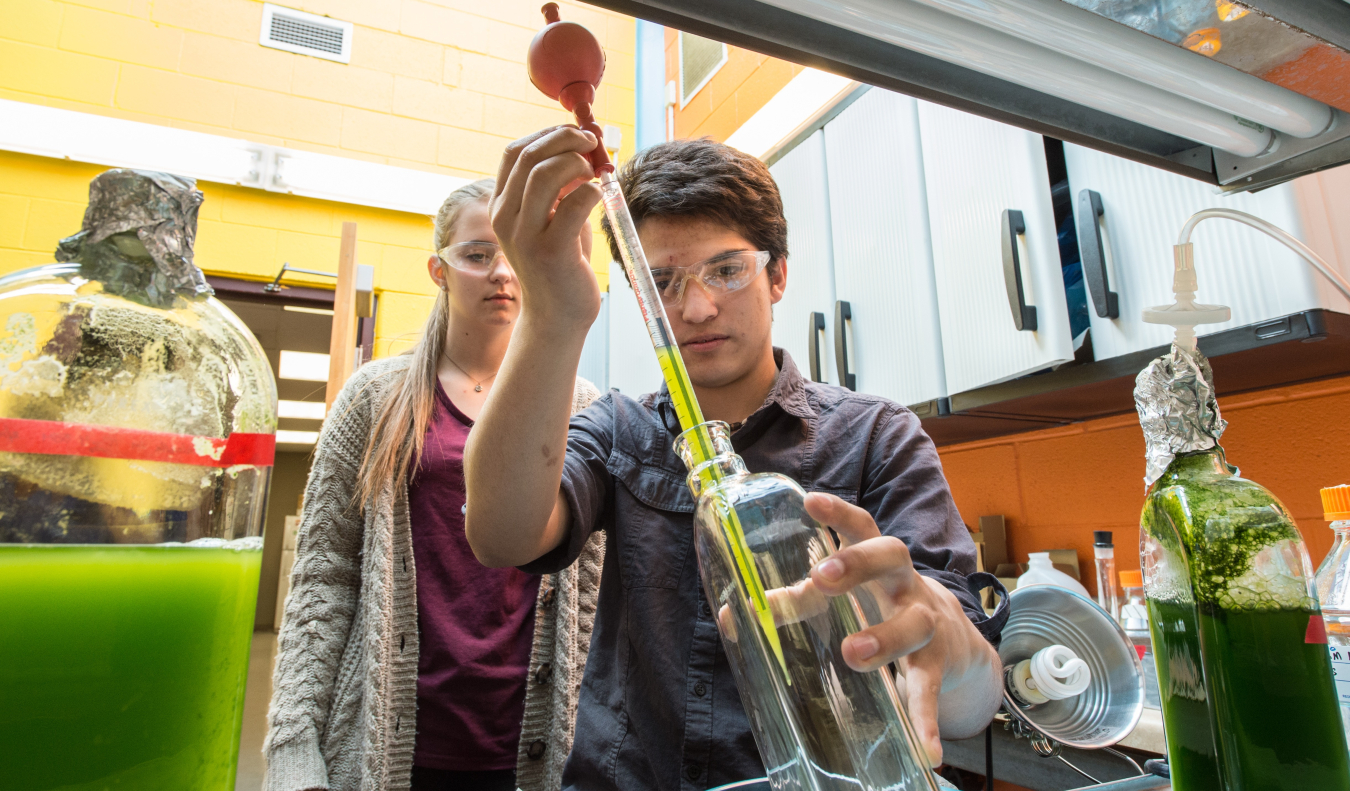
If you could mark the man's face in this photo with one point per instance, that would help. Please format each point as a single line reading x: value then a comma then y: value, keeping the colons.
x: 722, y: 336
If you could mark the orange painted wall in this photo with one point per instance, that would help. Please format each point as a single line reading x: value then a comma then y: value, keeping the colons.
x: 744, y: 83
x: 1056, y: 486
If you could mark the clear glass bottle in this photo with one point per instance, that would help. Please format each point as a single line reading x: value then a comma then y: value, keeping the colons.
x: 1333, y: 591
x: 819, y: 724
x: 1104, y: 553
x: 1247, y: 694
x: 137, y: 418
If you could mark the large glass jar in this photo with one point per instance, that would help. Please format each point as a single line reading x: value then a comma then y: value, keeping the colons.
x: 137, y: 422
x: 819, y: 724
x: 1248, y: 698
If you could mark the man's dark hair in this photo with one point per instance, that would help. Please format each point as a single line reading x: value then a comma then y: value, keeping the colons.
x: 705, y: 180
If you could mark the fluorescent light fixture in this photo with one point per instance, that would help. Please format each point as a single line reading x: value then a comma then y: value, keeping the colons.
x: 920, y: 28
x: 303, y: 309
x: 304, y: 366
x: 66, y: 134
x: 287, y: 437
x: 355, y: 181
x: 789, y: 110
x: 304, y: 410
x: 1095, y: 39
x: 83, y: 137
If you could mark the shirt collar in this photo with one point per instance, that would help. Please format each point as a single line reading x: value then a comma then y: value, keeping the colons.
x: 788, y: 391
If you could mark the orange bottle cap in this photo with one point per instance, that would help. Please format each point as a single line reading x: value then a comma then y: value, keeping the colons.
x: 1132, y: 579
x: 1336, y: 502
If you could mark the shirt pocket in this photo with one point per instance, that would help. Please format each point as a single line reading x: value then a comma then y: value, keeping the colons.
x: 653, y: 523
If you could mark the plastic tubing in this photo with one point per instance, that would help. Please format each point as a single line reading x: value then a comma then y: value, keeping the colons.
x: 1275, y: 232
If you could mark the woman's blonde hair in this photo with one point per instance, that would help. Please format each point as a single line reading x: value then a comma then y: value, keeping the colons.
x: 395, y: 446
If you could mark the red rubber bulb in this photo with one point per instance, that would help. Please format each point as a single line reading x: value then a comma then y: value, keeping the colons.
x: 566, y: 63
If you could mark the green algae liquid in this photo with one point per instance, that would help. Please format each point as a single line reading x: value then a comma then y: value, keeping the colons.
x: 123, y: 667
x: 1191, y: 753
x: 1276, y: 709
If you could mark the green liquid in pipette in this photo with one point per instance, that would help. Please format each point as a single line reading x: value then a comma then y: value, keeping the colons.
x: 686, y: 407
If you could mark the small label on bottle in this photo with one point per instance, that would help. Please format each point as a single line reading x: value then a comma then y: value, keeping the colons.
x: 1317, y: 631
x: 1340, y: 670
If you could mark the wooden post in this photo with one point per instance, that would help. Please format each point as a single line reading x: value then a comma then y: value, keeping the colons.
x: 342, y: 346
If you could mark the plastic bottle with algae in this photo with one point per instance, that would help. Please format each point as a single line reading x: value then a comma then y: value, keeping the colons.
x: 1248, y: 699
x: 137, y: 422
x: 819, y: 724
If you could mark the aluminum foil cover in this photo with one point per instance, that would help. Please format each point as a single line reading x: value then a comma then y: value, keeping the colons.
x: 1177, y: 408
x: 160, y: 208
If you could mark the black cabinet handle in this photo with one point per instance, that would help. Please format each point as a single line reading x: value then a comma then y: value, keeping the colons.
x: 816, y: 329
x: 843, y: 333
x: 1024, y: 315
x: 1093, y: 252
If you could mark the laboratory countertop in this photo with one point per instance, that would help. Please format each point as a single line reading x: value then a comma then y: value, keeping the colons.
x: 1147, y: 735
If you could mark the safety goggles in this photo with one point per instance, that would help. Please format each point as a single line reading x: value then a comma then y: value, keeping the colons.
x: 475, y: 257
x: 721, y: 274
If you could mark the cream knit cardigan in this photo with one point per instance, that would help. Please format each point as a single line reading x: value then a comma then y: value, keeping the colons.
x: 344, y: 698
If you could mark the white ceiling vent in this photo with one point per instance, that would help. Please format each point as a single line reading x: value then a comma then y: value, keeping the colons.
x: 306, y: 34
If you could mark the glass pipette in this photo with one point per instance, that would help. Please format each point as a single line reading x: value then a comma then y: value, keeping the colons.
x: 634, y: 262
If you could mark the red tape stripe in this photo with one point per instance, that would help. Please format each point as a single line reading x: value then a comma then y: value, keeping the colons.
x: 52, y: 437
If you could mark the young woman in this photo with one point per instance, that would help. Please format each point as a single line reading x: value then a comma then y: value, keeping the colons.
x: 403, y: 662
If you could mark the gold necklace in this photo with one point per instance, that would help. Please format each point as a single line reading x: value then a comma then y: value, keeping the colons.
x: 477, y: 385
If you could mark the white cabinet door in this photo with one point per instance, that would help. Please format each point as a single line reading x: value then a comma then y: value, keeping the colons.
x: 975, y: 170
x: 883, y: 265
x: 1143, y: 211
x: 801, y: 179
x: 633, y: 369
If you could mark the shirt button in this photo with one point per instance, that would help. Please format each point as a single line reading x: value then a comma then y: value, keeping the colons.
x: 705, y: 609
x: 700, y: 689
x: 544, y: 674
x: 536, y: 750
x: 692, y: 772
x: 464, y: 510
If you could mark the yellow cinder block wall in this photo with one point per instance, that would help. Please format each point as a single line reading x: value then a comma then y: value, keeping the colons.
x: 435, y: 86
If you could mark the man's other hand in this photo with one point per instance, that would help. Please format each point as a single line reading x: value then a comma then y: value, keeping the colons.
x: 952, y: 675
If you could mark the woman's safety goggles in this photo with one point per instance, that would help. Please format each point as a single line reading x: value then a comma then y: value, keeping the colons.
x: 475, y: 257
x: 719, y: 275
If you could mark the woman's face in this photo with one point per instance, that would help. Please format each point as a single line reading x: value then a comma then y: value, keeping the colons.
x: 491, y: 296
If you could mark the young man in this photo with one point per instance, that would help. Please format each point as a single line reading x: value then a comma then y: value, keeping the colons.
x: 658, y: 706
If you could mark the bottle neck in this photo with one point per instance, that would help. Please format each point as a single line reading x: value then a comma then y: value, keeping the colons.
x: 707, y: 451
x: 1202, y: 463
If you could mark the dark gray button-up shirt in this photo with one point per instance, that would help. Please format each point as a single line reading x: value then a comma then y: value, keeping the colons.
x: 658, y: 706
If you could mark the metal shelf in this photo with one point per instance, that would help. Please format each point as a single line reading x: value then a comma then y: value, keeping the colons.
x: 1300, y: 347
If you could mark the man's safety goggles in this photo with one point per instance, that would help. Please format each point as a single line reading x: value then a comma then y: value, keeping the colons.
x: 719, y: 275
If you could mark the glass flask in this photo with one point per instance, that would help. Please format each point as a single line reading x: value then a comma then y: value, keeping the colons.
x: 1248, y: 698
x: 819, y: 724
x: 1333, y: 591
x: 137, y: 422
